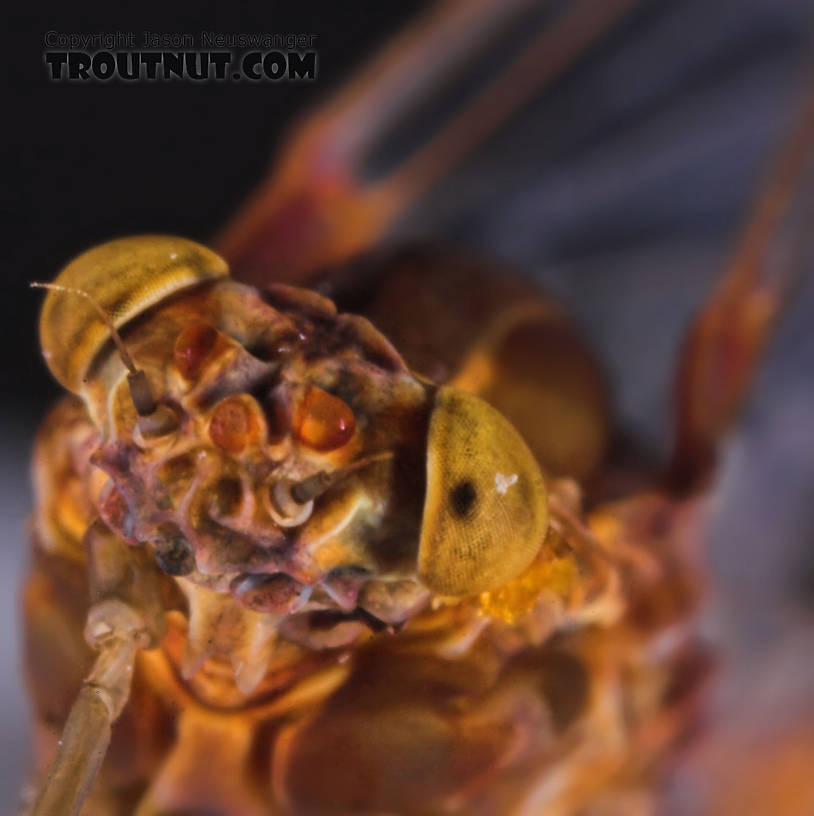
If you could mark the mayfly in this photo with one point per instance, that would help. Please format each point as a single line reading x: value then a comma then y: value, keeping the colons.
x: 298, y: 557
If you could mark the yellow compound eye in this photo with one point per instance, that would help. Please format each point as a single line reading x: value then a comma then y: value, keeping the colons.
x: 124, y: 278
x: 485, y: 511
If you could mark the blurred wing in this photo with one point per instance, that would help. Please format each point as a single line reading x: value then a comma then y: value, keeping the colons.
x: 436, y: 93
x: 612, y: 150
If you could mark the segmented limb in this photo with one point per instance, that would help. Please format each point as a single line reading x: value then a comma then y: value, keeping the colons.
x: 728, y: 336
x: 318, y: 207
x: 125, y: 618
x: 86, y: 735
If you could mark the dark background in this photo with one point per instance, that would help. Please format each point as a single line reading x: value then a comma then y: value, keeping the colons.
x: 621, y: 189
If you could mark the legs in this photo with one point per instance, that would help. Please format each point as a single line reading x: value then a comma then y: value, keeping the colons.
x: 125, y: 618
x: 727, y: 338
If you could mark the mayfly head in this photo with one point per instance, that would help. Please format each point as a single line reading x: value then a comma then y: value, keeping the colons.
x: 266, y: 446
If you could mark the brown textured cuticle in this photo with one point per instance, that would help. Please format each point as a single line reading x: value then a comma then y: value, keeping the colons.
x: 276, y: 593
x: 172, y: 551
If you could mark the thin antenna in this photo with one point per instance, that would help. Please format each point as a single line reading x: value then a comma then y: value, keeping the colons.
x: 136, y: 378
x: 293, y: 501
x: 125, y: 354
x: 315, y: 485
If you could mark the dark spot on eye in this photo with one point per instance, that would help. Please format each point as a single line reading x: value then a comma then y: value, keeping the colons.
x: 462, y: 497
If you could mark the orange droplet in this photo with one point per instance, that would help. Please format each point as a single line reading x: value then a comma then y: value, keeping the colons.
x: 232, y: 425
x: 192, y: 347
x: 323, y: 422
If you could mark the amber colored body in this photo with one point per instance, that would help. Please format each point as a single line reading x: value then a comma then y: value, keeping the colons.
x: 559, y: 692
x: 563, y: 691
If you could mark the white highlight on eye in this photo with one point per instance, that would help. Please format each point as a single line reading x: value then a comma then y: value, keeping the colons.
x: 503, y: 483
x: 173, y: 255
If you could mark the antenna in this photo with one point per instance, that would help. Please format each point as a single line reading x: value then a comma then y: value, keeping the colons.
x: 136, y: 378
x: 313, y: 486
x: 293, y: 501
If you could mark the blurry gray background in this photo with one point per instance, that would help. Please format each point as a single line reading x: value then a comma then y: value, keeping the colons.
x: 621, y: 190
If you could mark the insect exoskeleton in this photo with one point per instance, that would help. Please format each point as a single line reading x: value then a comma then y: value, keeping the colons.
x: 125, y: 277
x: 485, y: 511
x: 295, y: 447
x: 285, y: 485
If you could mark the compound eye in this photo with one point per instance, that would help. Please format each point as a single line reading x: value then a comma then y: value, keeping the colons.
x: 123, y: 278
x: 485, y: 511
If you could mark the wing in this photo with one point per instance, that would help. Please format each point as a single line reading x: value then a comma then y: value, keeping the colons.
x: 621, y: 182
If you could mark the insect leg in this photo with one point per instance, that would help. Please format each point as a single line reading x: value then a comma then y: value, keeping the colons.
x: 125, y: 618
x: 728, y: 336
